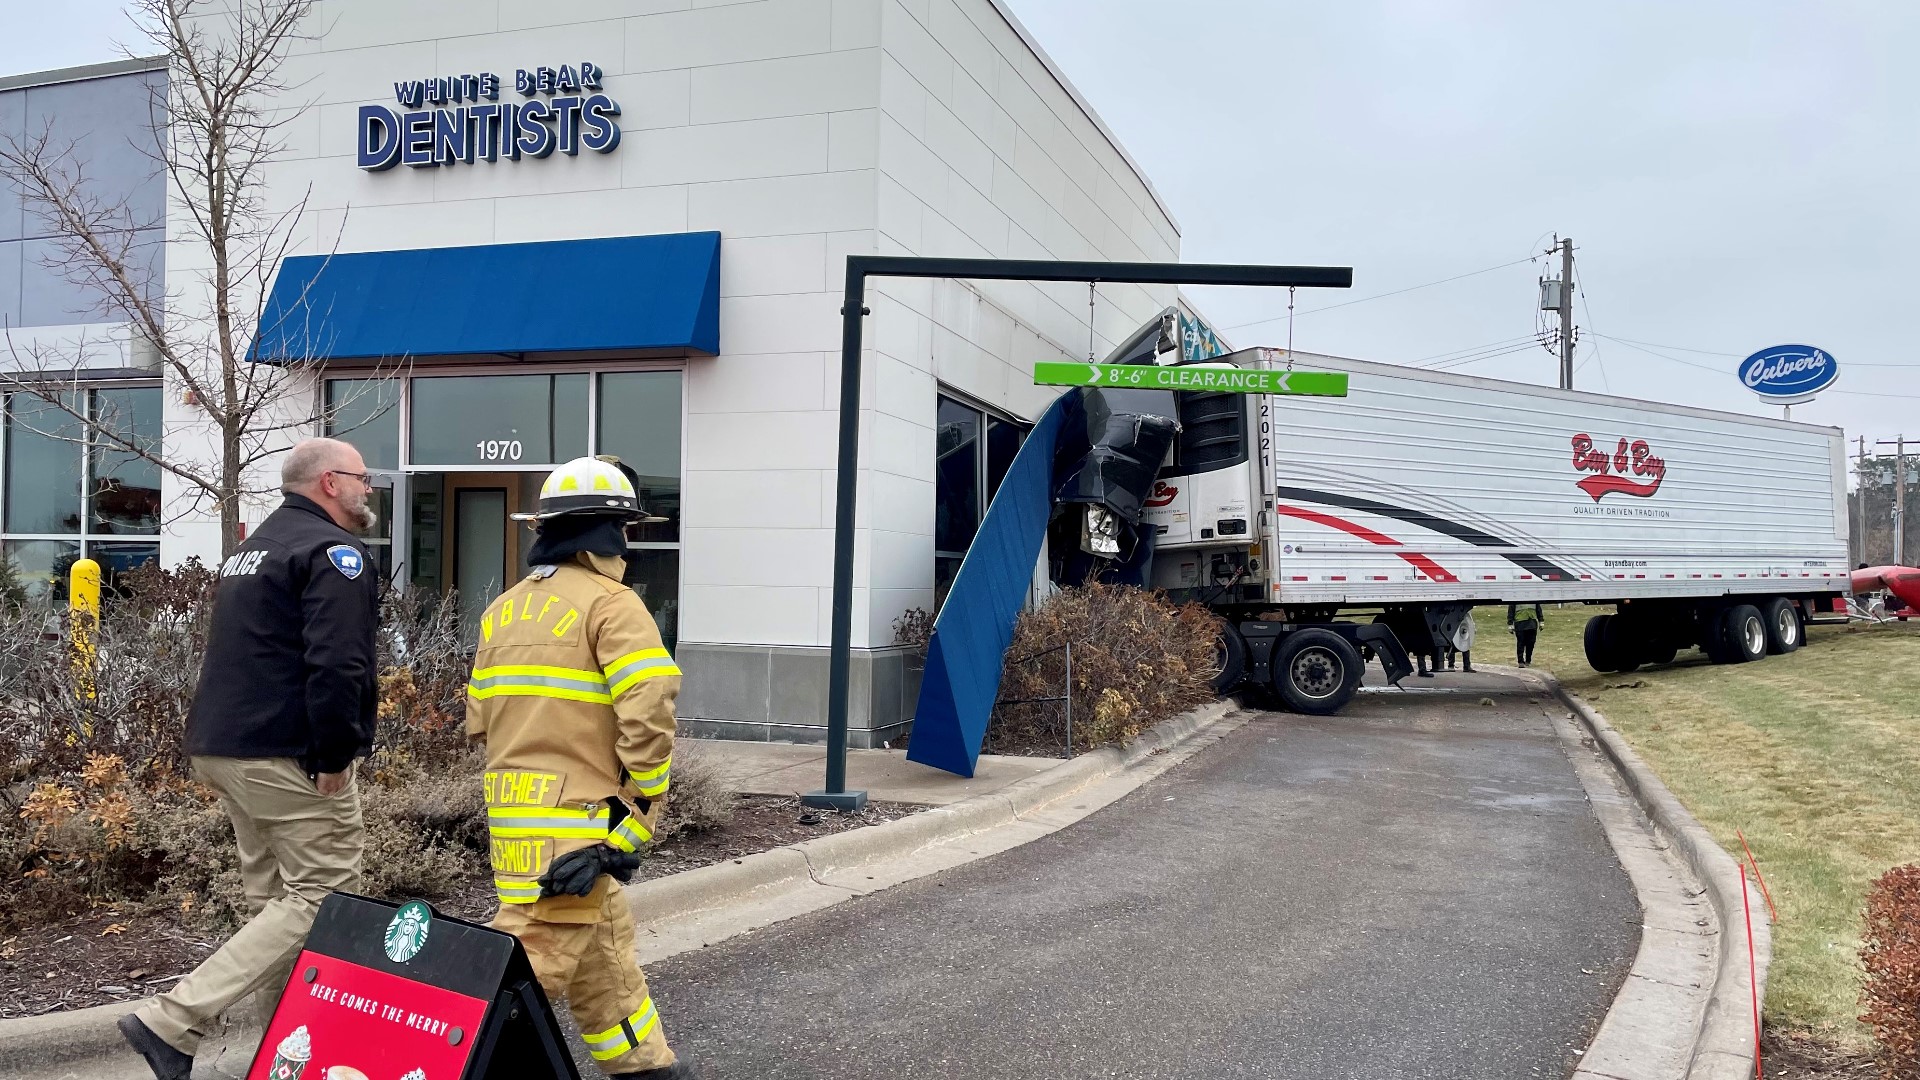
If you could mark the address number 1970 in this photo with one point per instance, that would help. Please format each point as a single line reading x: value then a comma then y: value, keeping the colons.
x: 498, y: 449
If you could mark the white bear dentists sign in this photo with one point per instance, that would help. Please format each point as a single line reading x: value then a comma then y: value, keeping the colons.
x: 460, y: 119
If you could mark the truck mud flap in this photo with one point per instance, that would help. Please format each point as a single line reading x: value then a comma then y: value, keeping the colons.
x: 1394, y: 660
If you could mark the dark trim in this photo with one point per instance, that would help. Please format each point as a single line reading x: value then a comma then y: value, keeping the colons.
x: 1533, y: 564
x: 82, y: 73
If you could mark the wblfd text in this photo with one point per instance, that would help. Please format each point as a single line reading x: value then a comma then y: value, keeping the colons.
x: 460, y: 119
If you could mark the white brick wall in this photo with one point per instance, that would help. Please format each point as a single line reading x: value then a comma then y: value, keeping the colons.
x: 803, y: 131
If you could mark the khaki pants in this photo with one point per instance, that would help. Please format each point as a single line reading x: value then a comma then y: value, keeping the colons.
x: 591, y: 964
x: 296, y: 846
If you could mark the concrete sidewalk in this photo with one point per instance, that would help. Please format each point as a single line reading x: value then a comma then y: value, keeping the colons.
x: 758, y: 768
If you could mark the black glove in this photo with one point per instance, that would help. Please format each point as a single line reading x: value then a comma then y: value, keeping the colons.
x: 574, y: 873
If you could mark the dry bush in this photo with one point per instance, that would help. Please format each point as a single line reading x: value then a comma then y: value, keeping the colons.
x: 1891, y: 956
x: 914, y: 627
x: 1137, y: 660
x: 698, y: 801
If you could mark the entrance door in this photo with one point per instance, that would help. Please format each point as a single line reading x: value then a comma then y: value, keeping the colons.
x: 481, y: 551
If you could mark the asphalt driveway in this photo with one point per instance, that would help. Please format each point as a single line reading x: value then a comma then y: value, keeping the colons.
x: 1413, y: 889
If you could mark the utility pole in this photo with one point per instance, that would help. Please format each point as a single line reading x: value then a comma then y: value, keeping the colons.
x: 1860, y: 498
x: 1566, y: 313
x: 1899, y: 444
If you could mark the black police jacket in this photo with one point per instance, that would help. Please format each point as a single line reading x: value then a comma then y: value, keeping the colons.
x: 290, y: 668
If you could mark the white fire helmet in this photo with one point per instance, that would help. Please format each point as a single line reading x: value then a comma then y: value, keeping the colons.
x: 587, y: 486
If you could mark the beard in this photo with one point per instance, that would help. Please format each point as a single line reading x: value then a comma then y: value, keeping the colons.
x: 364, y: 517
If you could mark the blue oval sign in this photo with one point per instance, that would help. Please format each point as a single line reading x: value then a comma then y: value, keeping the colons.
x: 1788, y: 373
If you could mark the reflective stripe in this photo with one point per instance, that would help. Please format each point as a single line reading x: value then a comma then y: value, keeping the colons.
x: 624, y: 1036
x: 516, y: 892
x: 637, y: 667
x: 538, y: 680
x: 653, y: 782
x: 504, y: 683
x: 556, y: 821
x: 629, y: 835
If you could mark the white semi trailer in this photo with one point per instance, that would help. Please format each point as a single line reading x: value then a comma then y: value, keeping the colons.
x: 1424, y: 493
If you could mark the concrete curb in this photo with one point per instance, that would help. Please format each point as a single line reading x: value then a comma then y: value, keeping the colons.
x: 1723, y: 1041
x: 758, y: 876
x: 44, y: 1044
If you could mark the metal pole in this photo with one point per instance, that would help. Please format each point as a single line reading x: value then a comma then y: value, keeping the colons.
x: 835, y: 795
x: 1860, y: 499
x: 1566, y: 314
x: 859, y: 268
x: 1069, y: 701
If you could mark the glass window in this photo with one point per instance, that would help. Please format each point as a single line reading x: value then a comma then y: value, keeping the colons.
x: 498, y: 420
x: 41, y: 567
x: 121, y: 556
x: 640, y: 424
x: 656, y: 577
x: 124, y: 486
x: 43, y: 467
x: 1003, y: 441
x: 956, y: 507
x: 366, y: 413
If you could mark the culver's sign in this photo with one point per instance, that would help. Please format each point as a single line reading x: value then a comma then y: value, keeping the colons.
x: 460, y: 119
x: 1789, y: 373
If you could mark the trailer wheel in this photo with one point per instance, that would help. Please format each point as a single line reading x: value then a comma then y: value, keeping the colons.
x: 1744, y: 634
x: 1783, y: 625
x: 1623, y: 643
x: 1316, y: 671
x: 1230, y: 651
x: 1599, y: 657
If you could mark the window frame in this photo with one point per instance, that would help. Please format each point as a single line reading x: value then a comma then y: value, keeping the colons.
x: 86, y: 537
x: 987, y: 414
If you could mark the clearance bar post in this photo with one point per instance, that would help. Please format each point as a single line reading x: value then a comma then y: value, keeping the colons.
x: 861, y: 267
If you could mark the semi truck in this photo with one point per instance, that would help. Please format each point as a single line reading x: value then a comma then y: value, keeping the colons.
x: 1330, y: 532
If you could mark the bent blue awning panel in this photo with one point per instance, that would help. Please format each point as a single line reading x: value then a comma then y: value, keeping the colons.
x: 622, y: 292
x: 975, y: 624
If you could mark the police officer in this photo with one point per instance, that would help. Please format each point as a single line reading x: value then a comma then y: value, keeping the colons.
x: 286, y: 702
x: 573, y: 694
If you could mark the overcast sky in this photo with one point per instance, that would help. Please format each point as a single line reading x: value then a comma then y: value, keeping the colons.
x: 1734, y: 174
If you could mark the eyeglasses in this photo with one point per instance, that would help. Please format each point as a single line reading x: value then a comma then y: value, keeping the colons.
x: 366, y: 479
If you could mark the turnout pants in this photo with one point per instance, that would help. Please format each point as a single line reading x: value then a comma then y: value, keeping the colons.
x: 591, y: 964
x: 296, y: 845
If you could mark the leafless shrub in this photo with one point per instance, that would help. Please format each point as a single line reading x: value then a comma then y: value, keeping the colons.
x: 1137, y: 660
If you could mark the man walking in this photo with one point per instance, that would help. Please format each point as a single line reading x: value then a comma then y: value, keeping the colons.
x: 285, y: 704
x: 573, y: 694
x: 1524, y: 622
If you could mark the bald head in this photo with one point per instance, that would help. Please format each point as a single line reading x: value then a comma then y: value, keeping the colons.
x: 309, y: 461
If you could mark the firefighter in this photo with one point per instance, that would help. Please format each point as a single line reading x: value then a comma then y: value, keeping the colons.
x: 572, y: 693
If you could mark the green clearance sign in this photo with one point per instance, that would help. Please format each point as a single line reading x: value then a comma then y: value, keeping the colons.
x: 1219, y: 380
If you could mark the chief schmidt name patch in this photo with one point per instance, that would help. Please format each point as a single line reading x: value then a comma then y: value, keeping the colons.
x: 347, y: 559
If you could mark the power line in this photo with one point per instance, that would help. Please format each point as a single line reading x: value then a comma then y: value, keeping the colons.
x: 1491, y: 354
x: 1743, y: 356
x: 1377, y: 296
x: 1442, y: 356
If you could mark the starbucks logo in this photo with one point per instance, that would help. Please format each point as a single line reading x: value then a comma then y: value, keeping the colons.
x: 407, y: 931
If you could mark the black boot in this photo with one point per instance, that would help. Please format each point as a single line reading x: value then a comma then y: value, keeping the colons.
x: 166, y: 1062
x: 679, y: 1070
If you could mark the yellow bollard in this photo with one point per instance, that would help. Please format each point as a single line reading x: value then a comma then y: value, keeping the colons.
x: 83, y: 619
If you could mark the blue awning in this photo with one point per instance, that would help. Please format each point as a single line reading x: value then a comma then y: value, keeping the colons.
x: 623, y: 292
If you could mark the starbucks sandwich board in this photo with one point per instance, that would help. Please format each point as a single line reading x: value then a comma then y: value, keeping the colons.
x: 396, y: 992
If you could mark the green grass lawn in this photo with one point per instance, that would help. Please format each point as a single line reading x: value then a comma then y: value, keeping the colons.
x: 1814, y: 755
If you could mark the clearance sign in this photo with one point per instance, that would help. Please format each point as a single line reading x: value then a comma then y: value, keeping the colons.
x: 1218, y: 379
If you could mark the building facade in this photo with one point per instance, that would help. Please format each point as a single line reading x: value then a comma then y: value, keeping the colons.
x: 530, y: 232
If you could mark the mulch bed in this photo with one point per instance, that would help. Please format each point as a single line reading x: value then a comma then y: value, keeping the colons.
x: 118, y: 954
x: 1798, y: 1057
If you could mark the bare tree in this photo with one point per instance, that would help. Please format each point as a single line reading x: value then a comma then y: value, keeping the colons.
x: 216, y: 128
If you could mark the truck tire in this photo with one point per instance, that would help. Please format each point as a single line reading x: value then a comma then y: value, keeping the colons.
x: 1315, y: 671
x: 1622, y: 640
x: 1231, y: 651
x: 1784, y: 630
x: 1743, y: 634
x: 1595, y: 639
